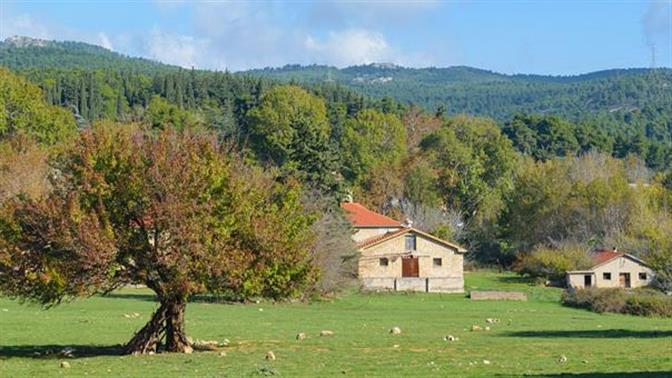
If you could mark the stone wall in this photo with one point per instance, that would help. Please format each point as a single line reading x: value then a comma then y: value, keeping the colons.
x: 432, y: 285
x: 498, y: 295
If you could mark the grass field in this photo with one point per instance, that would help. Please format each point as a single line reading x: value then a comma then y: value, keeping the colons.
x: 528, y: 341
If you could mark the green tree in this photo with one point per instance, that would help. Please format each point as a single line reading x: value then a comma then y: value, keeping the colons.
x: 163, y: 114
x: 168, y: 209
x: 371, y: 140
x: 290, y: 129
x: 24, y: 111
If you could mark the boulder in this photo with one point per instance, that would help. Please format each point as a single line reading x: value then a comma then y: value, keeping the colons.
x: 326, y: 332
x: 65, y: 365
x: 562, y: 359
x: 486, y: 362
x: 395, y: 330
x: 270, y: 356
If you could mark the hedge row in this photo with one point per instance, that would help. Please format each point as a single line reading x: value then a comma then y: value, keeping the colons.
x: 643, y: 302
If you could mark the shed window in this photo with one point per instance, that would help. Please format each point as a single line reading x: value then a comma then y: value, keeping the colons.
x: 384, y: 261
x: 642, y: 276
x: 606, y: 276
x: 438, y: 262
x: 410, y: 242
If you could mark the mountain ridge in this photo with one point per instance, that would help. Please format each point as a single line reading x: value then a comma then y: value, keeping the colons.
x: 456, y: 89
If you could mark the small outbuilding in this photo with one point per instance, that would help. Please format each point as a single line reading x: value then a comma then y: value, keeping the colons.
x: 612, y: 269
x: 397, y: 257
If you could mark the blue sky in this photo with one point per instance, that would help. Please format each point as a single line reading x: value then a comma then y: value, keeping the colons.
x: 544, y: 37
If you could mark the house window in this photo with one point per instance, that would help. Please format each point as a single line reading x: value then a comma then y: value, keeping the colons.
x: 642, y: 276
x: 384, y: 261
x: 438, y: 262
x: 410, y: 242
x: 606, y: 276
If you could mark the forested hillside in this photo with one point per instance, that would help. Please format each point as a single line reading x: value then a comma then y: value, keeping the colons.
x: 24, y: 52
x: 480, y: 92
x: 509, y: 189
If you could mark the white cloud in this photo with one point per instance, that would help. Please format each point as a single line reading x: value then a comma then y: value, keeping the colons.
x: 348, y: 47
x: 181, y: 50
x: 24, y: 25
x: 104, y: 41
x: 243, y: 35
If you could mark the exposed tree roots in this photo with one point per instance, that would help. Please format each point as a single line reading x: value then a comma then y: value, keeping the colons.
x: 167, y: 321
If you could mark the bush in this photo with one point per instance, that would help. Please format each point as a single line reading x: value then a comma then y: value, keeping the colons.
x: 643, y: 302
x: 654, y: 304
x: 552, y: 264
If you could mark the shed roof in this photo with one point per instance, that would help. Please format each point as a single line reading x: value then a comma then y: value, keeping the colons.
x: 603, y: 256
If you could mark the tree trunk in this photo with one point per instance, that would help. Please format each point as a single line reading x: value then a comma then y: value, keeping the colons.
x: 167, y: 320
x: 148, y: 338
x: 176, y: 339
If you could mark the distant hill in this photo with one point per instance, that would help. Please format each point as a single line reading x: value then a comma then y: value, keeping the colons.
x: 612, y: 93
x: 25, y: 52
x: 481, y: 92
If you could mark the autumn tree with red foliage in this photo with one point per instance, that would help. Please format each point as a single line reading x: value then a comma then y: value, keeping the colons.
x: 169, y: 209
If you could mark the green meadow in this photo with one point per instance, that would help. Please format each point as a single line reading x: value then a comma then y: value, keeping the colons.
x: 529, y: 339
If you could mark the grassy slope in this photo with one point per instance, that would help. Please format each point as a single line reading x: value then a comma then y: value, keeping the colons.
x: 529, y: 340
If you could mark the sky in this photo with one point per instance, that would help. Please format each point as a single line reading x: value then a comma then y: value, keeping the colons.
x: 541, y: 37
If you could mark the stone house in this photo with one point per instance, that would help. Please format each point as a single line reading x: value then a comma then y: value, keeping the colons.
x: 396, y: 256
x: 612, y: 269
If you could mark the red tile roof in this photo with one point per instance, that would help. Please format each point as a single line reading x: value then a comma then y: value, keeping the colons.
x: 360, y: 216
x: 604, y: 255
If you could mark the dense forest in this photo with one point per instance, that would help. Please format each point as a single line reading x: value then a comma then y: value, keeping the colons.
x: 511, y: 188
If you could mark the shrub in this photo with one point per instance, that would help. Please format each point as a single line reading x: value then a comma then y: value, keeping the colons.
x: 551, y: 263
x: 594, y: 299
x: 649, y: 304
x: 643, y: 302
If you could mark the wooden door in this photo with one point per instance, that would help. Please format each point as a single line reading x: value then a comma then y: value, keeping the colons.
x: 410, y: 267
x: 624, y: 279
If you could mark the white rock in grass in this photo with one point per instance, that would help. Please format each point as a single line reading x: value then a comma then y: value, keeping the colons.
x: 270, y: 355
x: 451, y: 338
x: 486, y: 362
x: 395, y: 330
x: 67, y: 352
x: 562, y: 359
x: 476, y: 328
x: 301, y: 336
x: 326, y: 332
x: 65, y: 365
x: 222, y: 354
